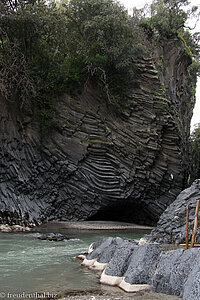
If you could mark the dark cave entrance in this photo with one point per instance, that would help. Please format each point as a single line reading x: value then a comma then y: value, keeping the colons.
x: 126, y: 212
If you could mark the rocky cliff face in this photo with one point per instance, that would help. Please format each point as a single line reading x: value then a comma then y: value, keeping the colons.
x: 171, y: 227
x: 99, y: 164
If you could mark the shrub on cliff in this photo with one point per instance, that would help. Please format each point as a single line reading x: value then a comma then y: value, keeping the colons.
x: 48, y: 48
x: 168, y: 16
x: 32, y: 49
x: 167, y: 19
x: 101, y: 36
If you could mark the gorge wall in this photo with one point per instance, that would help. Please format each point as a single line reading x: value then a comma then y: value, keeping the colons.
x: 99, y: 163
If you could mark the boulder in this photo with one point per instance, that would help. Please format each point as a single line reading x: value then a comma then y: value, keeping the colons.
x: 5, y: 228
x: 95, y: 250
x: 181, y: 271
x: 192, y: 284
x: 56, y: 237
x: 135, y: 267
x: 171, y: 226
x: 141, y: 267
x: 114, y: 272
x: 176, y: 272
x: 165, y: 267
x: 107, y: 254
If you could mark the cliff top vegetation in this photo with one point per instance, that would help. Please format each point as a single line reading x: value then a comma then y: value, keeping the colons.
x: 47, y: 48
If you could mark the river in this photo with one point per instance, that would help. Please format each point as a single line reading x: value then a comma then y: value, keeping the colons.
x: 30, y: 265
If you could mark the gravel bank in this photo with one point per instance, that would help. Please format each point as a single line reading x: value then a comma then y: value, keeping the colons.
x: 90, y: 225
x: 121, y: 296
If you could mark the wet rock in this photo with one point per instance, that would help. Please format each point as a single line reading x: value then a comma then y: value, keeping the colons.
x: 56, y: 237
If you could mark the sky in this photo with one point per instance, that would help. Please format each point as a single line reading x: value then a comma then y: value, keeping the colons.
x: 139, y: 4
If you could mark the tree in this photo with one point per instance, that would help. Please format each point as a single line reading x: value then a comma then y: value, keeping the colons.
x: 32, y: 48
x: 168, y: 16
x: 62, y: 48
x: 101, y: 37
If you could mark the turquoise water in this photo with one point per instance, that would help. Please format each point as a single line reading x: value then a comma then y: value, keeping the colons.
x: 30, y: 265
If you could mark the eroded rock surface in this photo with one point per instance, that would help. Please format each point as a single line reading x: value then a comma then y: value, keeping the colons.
x: 177, y: 274
x: 99, y: 164
x: 135, y: 267
x: 192, y: 285
x: 171, y: 226
x: 142, y: 264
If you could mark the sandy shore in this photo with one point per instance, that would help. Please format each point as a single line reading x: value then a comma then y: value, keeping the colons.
x: 144, y: 296
x: 117, y: 295
x: 90, y: 225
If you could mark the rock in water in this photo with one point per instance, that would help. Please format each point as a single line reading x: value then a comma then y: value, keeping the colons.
x: 56, y: 237
x: 101, y: 253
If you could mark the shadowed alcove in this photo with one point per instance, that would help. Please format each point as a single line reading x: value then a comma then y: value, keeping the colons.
x: 125, y: 212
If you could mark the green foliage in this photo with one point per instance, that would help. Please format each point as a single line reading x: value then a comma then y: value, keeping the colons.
x: 168, y: 20
x: 196, y: 137
x: 101, y: 31
x: 138, y: 148
x: 192, y: 50
x: 194, y: 71
x: 32, y: 38
x: 57, y: 47
x: 187, y: 49
x: 48, y: 48
x: 168, y: 16
x: 192, y: 42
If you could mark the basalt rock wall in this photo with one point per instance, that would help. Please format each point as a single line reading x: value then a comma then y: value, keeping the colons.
x: 171, y: 227
x: 99, y: 163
